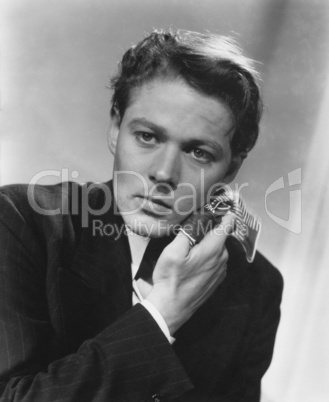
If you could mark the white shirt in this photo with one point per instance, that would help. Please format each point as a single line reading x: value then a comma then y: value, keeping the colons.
x: 138, y: 246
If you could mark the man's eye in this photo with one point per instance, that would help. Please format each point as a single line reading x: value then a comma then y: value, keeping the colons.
x: 201, y: 155
x: 145, y: 137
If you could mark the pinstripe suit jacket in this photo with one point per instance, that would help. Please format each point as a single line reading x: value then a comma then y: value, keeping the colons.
x: 68, y: 331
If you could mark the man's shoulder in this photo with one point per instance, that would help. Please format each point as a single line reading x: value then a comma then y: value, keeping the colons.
x: 55, y: 198
x: 29, y: 201
x: 20, y: 194
x: 56, y: 215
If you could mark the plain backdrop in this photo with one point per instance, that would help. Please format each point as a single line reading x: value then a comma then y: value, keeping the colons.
x: 56, y: 60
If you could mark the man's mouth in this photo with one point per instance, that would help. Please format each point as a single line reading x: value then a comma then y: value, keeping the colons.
x: 155, y: 205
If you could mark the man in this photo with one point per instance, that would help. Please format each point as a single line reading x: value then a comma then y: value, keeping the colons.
x: 100, y: 300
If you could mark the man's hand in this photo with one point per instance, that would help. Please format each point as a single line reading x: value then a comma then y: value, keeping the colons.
x: 184, y: 279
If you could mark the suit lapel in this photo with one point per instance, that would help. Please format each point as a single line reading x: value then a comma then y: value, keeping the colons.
x: 96, y: 286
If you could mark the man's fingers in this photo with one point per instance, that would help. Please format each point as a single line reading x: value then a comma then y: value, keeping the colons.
x: 215, y: 238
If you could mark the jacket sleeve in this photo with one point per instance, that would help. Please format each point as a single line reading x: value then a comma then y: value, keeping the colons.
x: 258, y: 351
x: 130, y: 360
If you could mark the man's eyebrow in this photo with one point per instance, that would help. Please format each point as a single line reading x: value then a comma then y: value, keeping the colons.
x: 202, y: 142
x: 148, y: 124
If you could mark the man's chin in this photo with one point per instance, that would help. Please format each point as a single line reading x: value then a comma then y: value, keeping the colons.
x: 151, y: 227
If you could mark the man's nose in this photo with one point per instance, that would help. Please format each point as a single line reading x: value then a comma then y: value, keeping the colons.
x: 166, y: 167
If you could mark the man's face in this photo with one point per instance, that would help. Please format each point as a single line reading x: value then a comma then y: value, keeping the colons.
x: 172, y: 146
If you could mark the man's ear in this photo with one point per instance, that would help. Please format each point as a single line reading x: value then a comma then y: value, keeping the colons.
x: 234, y: 167
x: 113, y: 133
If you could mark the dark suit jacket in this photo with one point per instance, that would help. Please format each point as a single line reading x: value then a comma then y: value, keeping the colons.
x: 68, y: 331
